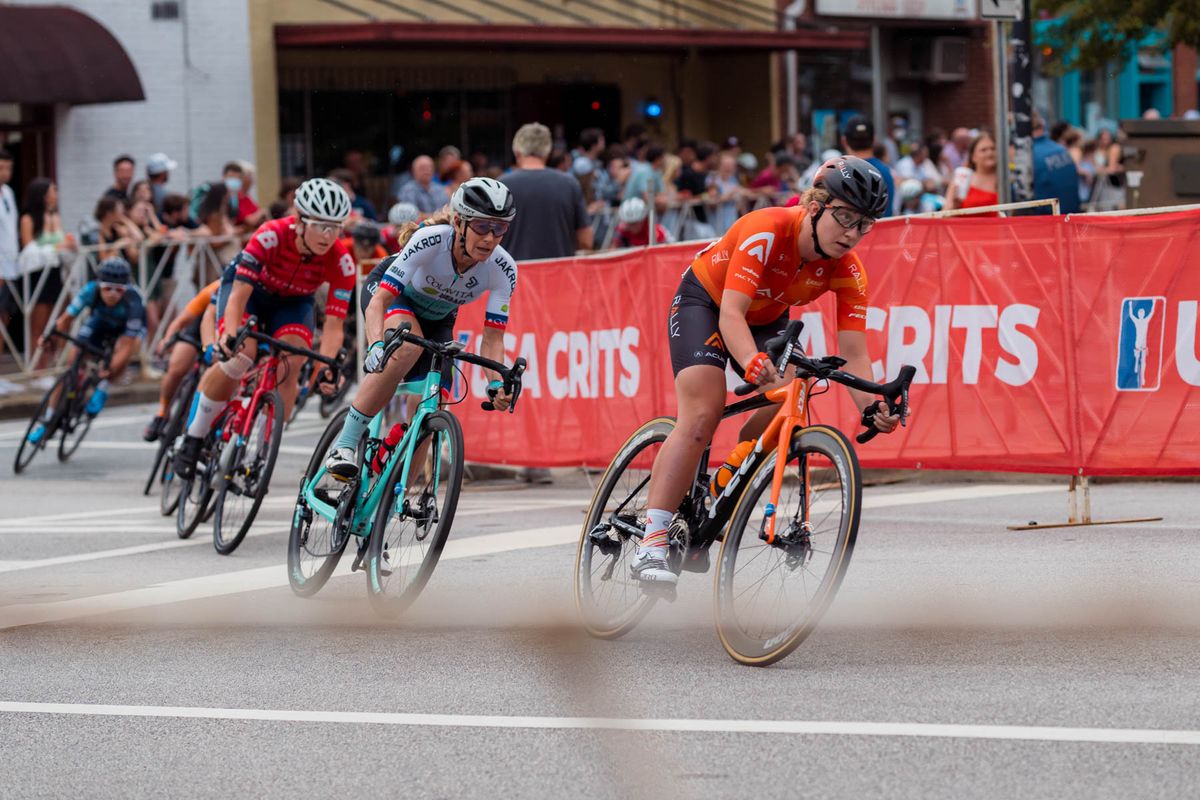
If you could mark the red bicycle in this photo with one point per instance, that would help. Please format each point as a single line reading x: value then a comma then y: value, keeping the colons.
x: 238, y: 456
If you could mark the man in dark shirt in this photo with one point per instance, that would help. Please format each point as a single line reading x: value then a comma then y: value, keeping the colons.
x: 552, y: 220
x: 693, y: 178
x: 1054, y: 171
x: 122, y: 179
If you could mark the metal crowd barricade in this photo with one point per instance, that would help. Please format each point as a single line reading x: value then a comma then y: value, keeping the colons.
x: 681, y: 221
x: 168, y: 273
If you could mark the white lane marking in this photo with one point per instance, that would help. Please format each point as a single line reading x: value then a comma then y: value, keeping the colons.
x: 275, y: 576
x: 1037, y: 733
x: 97, y: 424
x: 137, y: 549
x: 83, y: 515
x: 968, y: 492
x: 253, y: 579
x: 149, y: 449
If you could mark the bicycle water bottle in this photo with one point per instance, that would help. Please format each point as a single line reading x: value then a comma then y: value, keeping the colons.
x: 387, y: 446
x: 726, y: 471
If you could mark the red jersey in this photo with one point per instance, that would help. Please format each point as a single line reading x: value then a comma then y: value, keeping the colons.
x: 759, y: 256
x: 270, y: 260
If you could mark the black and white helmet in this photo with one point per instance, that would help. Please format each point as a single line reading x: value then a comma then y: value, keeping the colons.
x: 483, y: 198
x: 322, y: 199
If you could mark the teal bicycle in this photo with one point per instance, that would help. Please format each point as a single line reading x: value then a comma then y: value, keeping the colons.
x: 401, y: 504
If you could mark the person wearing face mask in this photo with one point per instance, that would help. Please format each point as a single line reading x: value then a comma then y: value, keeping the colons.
x: 246, y: 213
x: 736, y: 295
x: 275, y: 278
x: 448, y: 260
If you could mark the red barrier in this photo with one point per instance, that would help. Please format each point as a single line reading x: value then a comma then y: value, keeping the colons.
x: 1043, y: 344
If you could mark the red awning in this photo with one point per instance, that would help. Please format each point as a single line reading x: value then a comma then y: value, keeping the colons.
x: 52, y: 54
x: 385, y: 34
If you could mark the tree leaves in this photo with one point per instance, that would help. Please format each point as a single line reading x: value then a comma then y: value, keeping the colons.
x: 1087, y: 34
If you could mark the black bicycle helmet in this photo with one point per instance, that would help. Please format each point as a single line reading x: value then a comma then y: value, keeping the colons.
x: 854, y: 181
x: 367, y: 233
x: 114, y: 270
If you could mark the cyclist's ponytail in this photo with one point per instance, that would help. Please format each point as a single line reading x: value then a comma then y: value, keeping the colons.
x: 442, y: 216
x: 817, y: 194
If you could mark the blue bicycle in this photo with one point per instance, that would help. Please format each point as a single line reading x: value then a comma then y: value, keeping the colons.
x: 401, y: 504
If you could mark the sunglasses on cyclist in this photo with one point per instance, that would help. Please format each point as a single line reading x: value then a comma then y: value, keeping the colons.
x: 323, y: 228
x: 483, y: 227
x: 113, y: 287
x: 849, y: 218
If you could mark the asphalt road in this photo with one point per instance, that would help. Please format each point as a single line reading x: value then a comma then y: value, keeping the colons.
x: 960, y: 659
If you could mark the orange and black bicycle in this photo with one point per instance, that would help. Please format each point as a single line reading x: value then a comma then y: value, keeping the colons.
x: 787, y: 518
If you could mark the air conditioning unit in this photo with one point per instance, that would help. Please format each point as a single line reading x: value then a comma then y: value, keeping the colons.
x: 936, y: 59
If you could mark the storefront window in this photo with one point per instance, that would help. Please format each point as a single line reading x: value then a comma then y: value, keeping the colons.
x: 832, y: 86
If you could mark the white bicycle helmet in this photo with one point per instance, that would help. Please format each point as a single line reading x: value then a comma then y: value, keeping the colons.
x: 483, y: 198
x: 403, y: 213
x: 632, y: 211
x: 322, y: 199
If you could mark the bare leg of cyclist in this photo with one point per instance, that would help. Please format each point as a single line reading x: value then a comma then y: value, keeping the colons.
x: 289, y: 374
x: 182, y: 358
x: 701, y: 394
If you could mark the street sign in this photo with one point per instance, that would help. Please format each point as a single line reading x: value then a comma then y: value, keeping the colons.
x: 1000, y: 9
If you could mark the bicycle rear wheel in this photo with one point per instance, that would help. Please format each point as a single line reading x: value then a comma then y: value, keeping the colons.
x: 412, y: 522
x: 26, y: 450
x: 770, y: 596
x: 76, y: 422
x: 610, y: 600
x: 242, y: 489
x: 316, y: 544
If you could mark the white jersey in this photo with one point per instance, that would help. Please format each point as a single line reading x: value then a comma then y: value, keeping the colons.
x: 423, y: 275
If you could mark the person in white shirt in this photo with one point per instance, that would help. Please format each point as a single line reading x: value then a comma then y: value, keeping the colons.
x: 920, y: 166
x: 9, y: 248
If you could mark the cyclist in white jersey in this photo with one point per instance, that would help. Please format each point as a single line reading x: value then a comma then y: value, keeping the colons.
x: 441, y: 267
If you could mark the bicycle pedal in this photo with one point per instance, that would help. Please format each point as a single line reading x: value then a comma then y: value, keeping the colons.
x: 697, y: 561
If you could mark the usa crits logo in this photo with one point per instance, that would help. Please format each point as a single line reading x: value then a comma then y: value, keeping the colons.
x: 1140, y: 344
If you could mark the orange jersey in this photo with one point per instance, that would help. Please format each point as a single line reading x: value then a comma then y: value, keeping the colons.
x: 759, y: 256
x: 196, y: 306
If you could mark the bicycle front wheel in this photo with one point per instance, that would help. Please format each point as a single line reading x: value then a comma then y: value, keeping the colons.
x: 26, y: 450
x: 770, y: 595
x: 242, y: 489
x: 413, y: 521
x: 610, y: 600
x: 315, y: 544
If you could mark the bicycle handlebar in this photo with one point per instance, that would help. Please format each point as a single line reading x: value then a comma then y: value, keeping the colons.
x: 454, y: 350
x: 333, y: 365
x: 101, y: 353
x: 784, y: 350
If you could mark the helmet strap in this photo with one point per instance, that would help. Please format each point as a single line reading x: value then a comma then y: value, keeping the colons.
x: 817, y: 242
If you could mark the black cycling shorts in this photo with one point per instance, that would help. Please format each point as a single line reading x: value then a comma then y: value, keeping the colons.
x: 694, y: 329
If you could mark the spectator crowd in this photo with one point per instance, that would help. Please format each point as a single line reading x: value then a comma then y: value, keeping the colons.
x: 597, y: 194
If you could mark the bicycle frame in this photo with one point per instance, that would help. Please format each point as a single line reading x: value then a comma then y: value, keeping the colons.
x: 371, y: 491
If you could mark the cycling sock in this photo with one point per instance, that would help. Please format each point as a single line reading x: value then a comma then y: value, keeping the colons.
x: 657, y: 521
x: 204, y: 411
x: 353, y: 429
x: 102, y: 386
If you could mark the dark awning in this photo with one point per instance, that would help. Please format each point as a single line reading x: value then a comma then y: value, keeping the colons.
x: 52, y: 54
x: 389, y: 34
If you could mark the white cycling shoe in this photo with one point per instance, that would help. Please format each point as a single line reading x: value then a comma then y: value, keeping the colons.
x: 649, y: 565
x: 341, y: 464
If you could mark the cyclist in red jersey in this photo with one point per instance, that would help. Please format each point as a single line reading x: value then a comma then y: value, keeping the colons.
x: 734, y: 297
x: 274, y: 278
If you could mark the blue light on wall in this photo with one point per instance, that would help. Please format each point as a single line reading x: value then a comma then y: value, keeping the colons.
x: 652, y: 109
